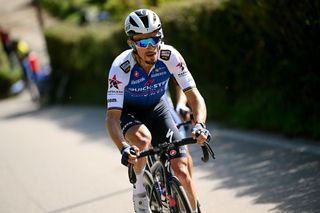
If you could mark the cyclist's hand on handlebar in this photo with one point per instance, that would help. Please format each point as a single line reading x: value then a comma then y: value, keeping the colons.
x: 200, y: 133
x: 129, y: 155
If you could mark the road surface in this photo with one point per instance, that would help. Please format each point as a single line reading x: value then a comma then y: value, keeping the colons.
x: 60, y: 160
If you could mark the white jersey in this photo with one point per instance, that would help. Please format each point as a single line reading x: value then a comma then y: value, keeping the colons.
x: 130, y: 85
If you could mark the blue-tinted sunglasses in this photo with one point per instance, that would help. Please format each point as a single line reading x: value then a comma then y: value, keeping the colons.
x: 145, y: 42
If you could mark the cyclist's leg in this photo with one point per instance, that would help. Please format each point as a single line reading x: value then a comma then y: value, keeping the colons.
x: 190, y: 161
x: 140, y: 136
x: 180, y: 168
x: 164, y: 129
x: 137, y: 134
x: 167, y: 100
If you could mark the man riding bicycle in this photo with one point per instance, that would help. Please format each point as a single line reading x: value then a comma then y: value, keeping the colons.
x: 137, y: 116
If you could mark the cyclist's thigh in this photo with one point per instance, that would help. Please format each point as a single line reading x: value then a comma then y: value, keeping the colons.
x: 134, y: 130
x: 163, y: 129
x: 139, y: 135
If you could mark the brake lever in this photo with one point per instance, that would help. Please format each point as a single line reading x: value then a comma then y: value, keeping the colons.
x: 205, y: 157
x: 206, y: 150
x: 131, y: 173
x: 209, y: 149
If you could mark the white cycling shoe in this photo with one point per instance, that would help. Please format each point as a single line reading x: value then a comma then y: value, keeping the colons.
x: 141, y: 203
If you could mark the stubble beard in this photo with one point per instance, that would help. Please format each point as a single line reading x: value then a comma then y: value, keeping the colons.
x: 151, y: 61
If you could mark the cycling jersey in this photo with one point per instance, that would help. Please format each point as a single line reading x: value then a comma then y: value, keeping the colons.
x: 130, y: 85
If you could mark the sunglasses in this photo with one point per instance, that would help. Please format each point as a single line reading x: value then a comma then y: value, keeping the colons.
x: 145, y: 42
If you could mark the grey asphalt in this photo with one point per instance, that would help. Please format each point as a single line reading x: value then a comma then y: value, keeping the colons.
x: 60, y: 160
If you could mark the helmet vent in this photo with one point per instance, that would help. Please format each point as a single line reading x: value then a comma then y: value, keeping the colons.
x: 145, y: 21
x: 133, y: 22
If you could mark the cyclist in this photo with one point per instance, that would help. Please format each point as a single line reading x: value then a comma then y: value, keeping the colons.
x: 136, y: 114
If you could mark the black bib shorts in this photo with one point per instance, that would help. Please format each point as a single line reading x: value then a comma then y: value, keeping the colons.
x: 159, y: 122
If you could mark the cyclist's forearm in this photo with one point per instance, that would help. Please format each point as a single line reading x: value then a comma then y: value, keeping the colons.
x: 199, y: 112
x: 198, y: 106
x: 112, y: 124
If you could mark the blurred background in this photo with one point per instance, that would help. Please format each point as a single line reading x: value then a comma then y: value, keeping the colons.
x: 256, y: 62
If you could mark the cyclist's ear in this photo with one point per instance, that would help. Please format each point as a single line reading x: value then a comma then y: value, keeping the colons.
x: 130, y: 43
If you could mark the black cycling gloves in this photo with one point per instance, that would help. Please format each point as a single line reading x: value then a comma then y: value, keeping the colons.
x: 199, y: 128
x: 126, y: 151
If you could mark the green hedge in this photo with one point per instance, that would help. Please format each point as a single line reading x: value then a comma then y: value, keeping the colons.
x: 71, y: 9
x: 254, y: 61
x: 80, y: 59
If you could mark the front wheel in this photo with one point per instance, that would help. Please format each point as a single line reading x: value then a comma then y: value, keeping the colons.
x: 153, y: 194
x: 198, y: 206
x: 178, y: 201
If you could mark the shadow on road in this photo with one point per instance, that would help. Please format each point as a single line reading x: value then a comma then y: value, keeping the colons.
x: 87, y: 120
x: 289, y: 179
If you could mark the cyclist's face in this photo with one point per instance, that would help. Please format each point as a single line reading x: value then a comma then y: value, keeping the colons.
x: 148, y: 54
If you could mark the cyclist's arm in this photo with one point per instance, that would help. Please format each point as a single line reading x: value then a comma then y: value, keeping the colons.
x: 198, y: 105
x: 118, y: 79
x: 195, y: 100
x: 199, y: 109
x: 112, y: 124
x: 187, y: 84
x: 180, y: 96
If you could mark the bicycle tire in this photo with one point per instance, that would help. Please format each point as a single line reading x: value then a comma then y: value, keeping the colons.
x: 198, y: 206
x: 150, y: 161
x: 181, y: 201
x: 152, y: 193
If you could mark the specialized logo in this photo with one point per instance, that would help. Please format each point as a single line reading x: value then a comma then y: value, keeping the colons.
x: 169, y: 135
x: 165, y: 54
x: 113, y: 82
x: 125, y: 66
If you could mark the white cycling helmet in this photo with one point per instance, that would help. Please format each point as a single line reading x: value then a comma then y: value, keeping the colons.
x: 142, y: 21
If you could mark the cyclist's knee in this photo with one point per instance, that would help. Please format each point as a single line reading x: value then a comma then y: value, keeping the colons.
x: 143, y: 139
x: 140, y: 136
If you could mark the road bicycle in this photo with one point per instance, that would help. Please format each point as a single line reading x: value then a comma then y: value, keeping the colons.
x: 164, y: 189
